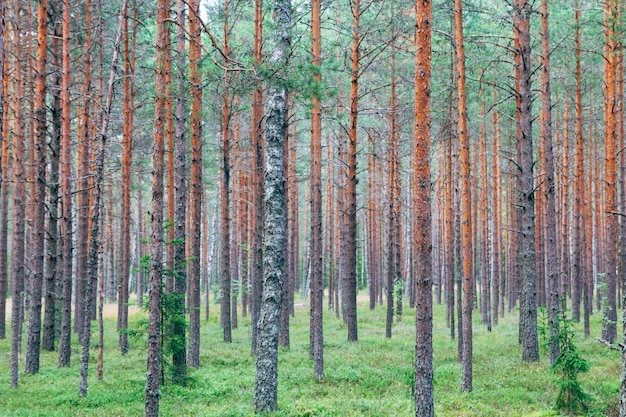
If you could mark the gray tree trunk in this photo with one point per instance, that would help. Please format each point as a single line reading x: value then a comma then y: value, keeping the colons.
x: 265, y: 385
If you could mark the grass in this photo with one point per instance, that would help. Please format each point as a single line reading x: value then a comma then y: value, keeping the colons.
x: 372, y: 377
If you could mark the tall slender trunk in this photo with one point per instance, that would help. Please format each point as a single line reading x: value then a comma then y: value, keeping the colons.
x: 466, y: 225
x: 177, y: 320
x: 193, y: 355
x: 265, y: 385
x: 496, y: 172
x: 127, y: 155
x: 84, y: 170
x: 424, y: 398
x: 525, y: 194
x: 33, y: 338
x: 225, y: 318
x: 52, y: 235
x: 552, y: 253
x: 257, y: 180
x: 19, y: 178
x: 94, y: 244
x: 5, y: 175
x: 579, y: 169
x: 350, y: 279
x: 565, y: 200
x: 609, y: 325
x: 153, y: 373
x: 317, y: 269
x: 485, y: 264
x: 66, y: 194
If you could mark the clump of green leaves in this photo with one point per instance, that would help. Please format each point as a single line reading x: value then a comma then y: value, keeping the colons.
x: 571, y: 398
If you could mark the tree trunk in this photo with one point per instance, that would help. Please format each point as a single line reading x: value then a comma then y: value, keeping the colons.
x: 466, y: 225
x: 350, y: 284
x: 52, y: 235
x: 609, y: 324
x: 177, y: 319
x: 94, y: 244
x: 525, y: 194
x: 153, y: 373
x: 33, y: 338
x: 127, y: 154
x: 551, y: 232
x: 257, y: 180
x: 66, y: 194
x: 265, y: 385
x: 5, y: 175
x: 317, y: 269
x: 579, y: 169
x: 424, y: 398
x: 19, y: 178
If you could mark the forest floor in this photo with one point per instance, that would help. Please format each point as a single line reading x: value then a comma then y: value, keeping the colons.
x: 372, y: 377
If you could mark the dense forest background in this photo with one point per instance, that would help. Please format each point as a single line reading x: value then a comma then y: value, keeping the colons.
x: 261, y: 155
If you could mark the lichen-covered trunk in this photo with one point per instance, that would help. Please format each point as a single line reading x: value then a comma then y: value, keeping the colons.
x: 153, y: 373
x: 266, y: 380
x: 50, y: 326
x: 466, y: 224
x: 525, y: 193
x: 424, y: 396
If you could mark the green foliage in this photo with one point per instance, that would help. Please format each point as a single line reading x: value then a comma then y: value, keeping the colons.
x: 371, y: 378
x: 571, y: 398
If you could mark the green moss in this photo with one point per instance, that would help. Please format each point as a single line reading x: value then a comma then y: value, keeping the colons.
x: 373, y: 377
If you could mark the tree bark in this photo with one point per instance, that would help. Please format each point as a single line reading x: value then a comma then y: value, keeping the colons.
x: 466, y: 225
x: 350, y: 279
x: 552, y: 272
x: 609, y: 324
x: 257, y: 179
x: 196, y: 184
x: 424, y: 397
x: 317, y: 269
x: 265, y: 385
x: 19, y: 178
x: 153, y: 373
x: 525, y: 194
x: 579, y: 169
x: 177, y: 330
x: 66, y: 194
x: 5, y: 176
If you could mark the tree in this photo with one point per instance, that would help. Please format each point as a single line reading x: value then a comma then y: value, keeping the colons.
x: 127, y: 157
x: 177, y: 318
x: 525, y: 193
x: 551, y: 232
x: 424, y: 398
x: 4, y: 167
x: 349, y: 284
x: 466, y: 224
x: 33, y: 338
x: 66, y: 194
x: 609, y: 329
x: 196, y: 184
x: 153, y: 373
x: 317, y: 270
x: 19, y: 179
x: 266, y: 379
x: 225, y: 318
x: 94, y: 244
